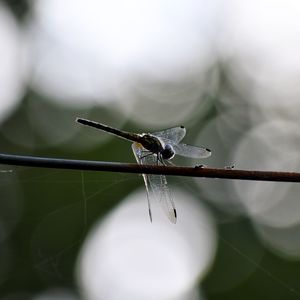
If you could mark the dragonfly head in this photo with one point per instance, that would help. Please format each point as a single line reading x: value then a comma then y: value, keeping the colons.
x: 168, y: 152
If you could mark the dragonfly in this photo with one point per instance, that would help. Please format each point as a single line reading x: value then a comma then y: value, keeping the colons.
x: 156, y: 148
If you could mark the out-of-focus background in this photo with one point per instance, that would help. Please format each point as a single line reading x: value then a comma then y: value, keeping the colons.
x: 227, y: 70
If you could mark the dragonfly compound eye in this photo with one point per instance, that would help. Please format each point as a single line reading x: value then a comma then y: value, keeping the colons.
x: 168, y: 152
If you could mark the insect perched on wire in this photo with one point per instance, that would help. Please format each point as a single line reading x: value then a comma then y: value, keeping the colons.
x: 156, y: 148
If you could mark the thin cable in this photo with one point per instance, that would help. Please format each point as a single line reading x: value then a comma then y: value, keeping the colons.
x: 198, y: 171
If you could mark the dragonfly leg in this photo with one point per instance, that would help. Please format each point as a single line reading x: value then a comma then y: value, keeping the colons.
x: 170, y: 163
x: 147, y: 184
x: 146, y: 155
x: 160, y: 159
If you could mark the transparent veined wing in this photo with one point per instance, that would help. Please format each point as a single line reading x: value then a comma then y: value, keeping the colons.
x: 157, y: 183
x: 191, y: 151
x: 138, y: 153
x: 188, y: 150
x: 175, y: 134
x: 161, y: 192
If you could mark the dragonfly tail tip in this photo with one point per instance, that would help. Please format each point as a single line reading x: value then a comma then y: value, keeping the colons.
x: 79, y: 120
x: 150, y: 215
x: 175, y: 215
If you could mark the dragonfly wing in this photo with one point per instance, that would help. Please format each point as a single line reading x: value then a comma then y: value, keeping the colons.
x: 167, y: 202
x: 157, y: 184
x: 175, y: 134
x: 163, y: 195
x: 160, y: 190
x: 191, y: 151
x: 138, y: 153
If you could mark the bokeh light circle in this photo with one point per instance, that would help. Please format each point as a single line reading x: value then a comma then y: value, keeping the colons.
x: 259, y: 44
x: 151, y: 59
x: 126, y: 256
x: 11, y: 76
x: 270, y: 146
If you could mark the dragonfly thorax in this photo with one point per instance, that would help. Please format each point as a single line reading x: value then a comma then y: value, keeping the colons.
x: 151, y: 143
x: 168, y: 152
x: 155, y: 145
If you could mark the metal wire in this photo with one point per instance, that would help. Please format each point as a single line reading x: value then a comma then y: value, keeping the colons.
x: 198, y: 171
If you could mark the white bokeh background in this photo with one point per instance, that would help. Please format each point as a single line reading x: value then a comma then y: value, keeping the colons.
x: 125, y: 256
x: 11, y: 79
x: 134, y: 53
x: 159, y: 64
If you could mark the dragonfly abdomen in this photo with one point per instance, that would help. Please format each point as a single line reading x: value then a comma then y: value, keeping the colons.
x: 120, y: 133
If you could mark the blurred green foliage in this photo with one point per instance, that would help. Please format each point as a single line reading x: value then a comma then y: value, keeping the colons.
x: 19, y: 7
x: 53, y: 222
x: 45, y: 221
